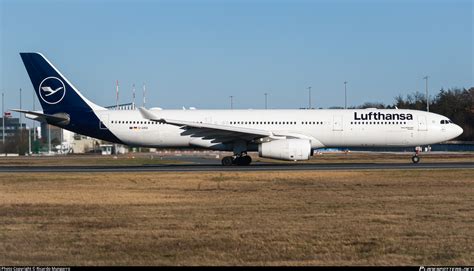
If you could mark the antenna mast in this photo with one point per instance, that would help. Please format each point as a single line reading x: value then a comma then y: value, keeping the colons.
x: 144, y: 95
x: 133, y: 97
x: 117, y: 95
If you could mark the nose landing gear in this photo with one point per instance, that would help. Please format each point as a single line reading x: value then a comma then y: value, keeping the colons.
x: 415, y: 158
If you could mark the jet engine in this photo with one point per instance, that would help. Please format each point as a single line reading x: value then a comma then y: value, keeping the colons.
x: 286, y: 149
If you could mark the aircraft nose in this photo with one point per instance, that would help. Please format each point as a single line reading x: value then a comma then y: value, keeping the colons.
x: 457, y: 130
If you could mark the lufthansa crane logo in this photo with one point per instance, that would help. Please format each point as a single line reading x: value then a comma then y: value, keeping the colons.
x: 52, y: 90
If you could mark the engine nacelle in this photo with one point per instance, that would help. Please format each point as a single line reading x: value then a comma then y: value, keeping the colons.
x: 286, y: 149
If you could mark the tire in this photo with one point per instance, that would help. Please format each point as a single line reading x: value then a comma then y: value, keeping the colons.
x: 227, y: 161
x: 415, y: 159
x: 243, y: 160
x: 246, y: 160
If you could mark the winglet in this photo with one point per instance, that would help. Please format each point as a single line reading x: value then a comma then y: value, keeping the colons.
x: 147, y: 114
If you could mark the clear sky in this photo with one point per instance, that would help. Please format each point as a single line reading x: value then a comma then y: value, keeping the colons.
x: 198, y: 53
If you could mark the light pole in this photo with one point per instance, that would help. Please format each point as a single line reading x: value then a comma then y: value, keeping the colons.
x: 3, y: 123
x: 427, y: 97
x: 49, y: 138
x: 266, y: 94
x: 21, y: 129
x: 29, y: 141
x: 20, y: 108
x: 345, y: 94
x: 231, y: 102
x: 309, y: 98
x: 34, y: 122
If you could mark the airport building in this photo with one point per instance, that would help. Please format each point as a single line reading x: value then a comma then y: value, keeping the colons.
x: 47, y: 130
x: 12, y: 127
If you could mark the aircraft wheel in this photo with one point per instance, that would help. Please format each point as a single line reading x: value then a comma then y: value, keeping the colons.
x: 415, y: 159
x: 243, y: 160
x: 227, y: 161
x: 239, y: 161
x: 246, y: 160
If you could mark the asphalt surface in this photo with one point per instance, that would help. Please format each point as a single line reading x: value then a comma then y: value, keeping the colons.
x: 216, y: 167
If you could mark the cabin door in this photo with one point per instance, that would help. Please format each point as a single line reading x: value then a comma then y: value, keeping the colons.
x: 104, y: 121
x: 337, y: 123
x: 422, y: 123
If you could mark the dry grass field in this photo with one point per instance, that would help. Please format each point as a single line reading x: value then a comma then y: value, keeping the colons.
x: 86, y: 160
x: 416, y: 217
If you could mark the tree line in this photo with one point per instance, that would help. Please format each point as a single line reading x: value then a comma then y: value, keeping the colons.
x: 457, y: 104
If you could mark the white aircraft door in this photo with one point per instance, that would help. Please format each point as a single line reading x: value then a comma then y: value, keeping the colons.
x: 337, y: 123
x: 422, y: 123
x: 104, y: 121
x: 208, y: 120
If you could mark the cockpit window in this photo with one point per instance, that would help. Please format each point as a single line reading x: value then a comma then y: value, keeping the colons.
x: 446, y: 121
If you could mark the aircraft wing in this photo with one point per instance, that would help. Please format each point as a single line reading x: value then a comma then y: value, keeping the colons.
x: 224, y: 133
x: 215, y: 132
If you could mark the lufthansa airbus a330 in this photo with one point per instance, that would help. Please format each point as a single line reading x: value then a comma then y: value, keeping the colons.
x: 278, y: 134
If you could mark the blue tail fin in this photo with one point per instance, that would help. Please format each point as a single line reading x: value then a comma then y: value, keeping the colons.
x: 60, y: 99
x: 55, y: 92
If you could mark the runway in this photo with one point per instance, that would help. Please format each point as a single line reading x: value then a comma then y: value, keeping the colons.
x: 255, y: 167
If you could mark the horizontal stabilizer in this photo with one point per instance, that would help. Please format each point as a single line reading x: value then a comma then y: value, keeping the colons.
x: 58, y: 118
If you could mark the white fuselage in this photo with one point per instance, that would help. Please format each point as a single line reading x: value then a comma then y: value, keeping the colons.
x: 277, y: 134
x: 324, y: 128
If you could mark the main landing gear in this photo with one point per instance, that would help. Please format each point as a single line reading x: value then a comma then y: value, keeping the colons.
x: 240, y: 160
x: 415, y: 158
